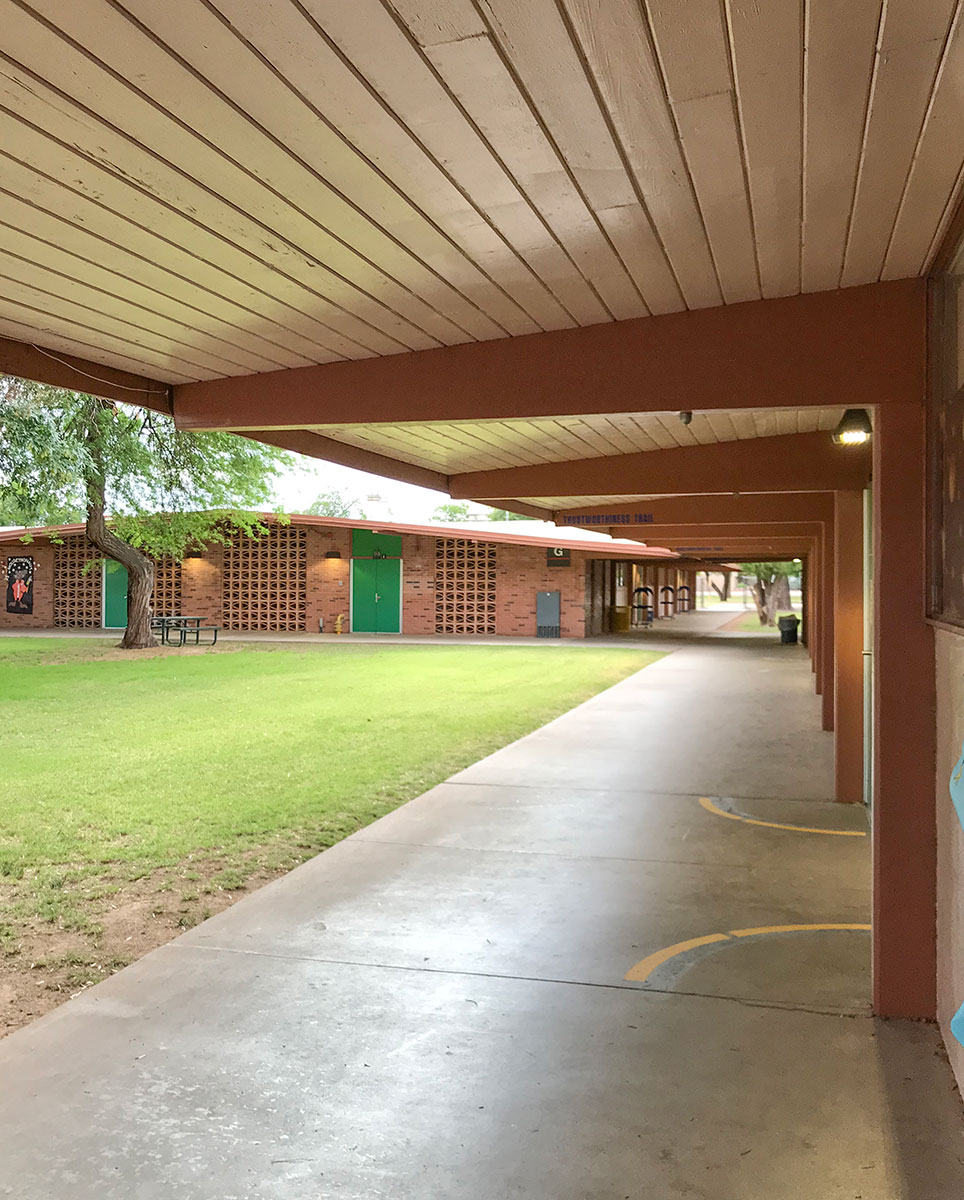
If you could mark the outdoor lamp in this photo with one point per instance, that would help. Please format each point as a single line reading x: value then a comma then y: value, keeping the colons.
x: 332, y: 554
x: 854, y: 428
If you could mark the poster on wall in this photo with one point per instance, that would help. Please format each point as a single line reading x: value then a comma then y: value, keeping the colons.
x: 20, y: 585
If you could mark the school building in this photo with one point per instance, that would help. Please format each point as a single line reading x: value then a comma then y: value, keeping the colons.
x: 325, y: 574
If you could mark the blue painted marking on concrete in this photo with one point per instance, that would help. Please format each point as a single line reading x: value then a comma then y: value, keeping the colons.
x: 957, y: 796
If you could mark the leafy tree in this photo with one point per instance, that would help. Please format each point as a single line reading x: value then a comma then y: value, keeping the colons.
x: 451, y: 512
x: 503, y: 514
x: 145, y: 488
x: 334, y: 504
x: 12, y: 513
x: 770, y: 585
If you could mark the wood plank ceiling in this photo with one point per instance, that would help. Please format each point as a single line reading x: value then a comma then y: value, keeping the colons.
x: 454, y: 447
x: 201, y: 188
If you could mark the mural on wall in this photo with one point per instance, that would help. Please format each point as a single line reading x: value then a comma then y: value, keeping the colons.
x: 20, y: 585
x: 957, y: 796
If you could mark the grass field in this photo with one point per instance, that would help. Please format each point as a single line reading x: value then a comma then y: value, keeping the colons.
x: 169, y: 781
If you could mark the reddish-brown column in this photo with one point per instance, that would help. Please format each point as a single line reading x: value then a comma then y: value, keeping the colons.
x: 826, y: 619
x: 816, y: 605
x: 904, y: 823
x: 804, y: 601
x: 848, y: 628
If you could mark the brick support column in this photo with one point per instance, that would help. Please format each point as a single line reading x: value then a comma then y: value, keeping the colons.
x: 826, y: 616
x: 904, y: 824
x: 848, y: 647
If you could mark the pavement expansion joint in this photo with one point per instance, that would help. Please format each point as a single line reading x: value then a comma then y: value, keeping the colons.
x: 475, y: 851
x: 746, y: 1001
x: 553, y: 785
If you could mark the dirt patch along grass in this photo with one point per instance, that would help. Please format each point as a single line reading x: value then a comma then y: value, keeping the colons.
x: 143, y: 793
x: 749, y: 622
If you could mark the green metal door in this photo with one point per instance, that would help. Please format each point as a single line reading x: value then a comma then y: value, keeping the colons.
x: 376, y: 592
x: 388, y: 595
x: 115, y: 596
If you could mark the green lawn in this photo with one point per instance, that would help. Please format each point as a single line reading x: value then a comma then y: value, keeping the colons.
x: 240, y: 759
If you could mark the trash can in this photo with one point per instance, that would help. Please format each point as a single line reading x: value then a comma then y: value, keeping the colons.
x: 621, y: 614
x: 788, y: 630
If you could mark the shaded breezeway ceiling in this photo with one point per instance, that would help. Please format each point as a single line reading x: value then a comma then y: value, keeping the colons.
x: 204, y: 191
x: 215, y: 187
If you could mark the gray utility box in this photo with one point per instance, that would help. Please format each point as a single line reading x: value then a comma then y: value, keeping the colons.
x: 548, y: 610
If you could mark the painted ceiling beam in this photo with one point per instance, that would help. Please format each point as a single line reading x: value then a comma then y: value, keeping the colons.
x: 854, y: 348
x: 732, y: 544
x: 800, y: 462
x: 32, y: 362
x: 775, y: 549
x: 658, y: 535
x: 675, y: 510
x: 304, y: 441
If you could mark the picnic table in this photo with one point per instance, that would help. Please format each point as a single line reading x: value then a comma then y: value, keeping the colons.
x: 187, y: 629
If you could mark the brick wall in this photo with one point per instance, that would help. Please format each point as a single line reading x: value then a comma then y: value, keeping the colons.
x: 328, y: 579
x: 418, y: 584
x: 42, y: 616
x: 201, y: 587
x: 522, y: 572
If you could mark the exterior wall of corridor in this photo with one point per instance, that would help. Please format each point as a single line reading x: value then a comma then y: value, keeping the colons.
x: 950, y: 842
x: 946, y: 609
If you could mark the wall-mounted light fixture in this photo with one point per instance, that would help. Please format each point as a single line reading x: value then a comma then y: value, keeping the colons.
x: 194, y: 552
x: 854, y: 428
x: 332, y: 554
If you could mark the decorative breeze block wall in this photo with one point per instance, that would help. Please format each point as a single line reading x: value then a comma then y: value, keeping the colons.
x: 166, y: 597
x: 465, y: 574
x: 264, y: 581
x: 77, y: 593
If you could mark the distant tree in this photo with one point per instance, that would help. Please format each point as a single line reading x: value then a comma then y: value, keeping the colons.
x: 503, y: 514
x: 451, y: 512
x: 334, y: 504
x: 770, y: 585
x: 145, y: 488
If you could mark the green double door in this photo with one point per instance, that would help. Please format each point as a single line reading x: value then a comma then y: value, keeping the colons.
x: 376, y: 595
x: 115, y: 596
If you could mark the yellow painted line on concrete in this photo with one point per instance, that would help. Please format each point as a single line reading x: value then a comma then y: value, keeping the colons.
x: 646, y: 966
x: 708, y: 804
x: 760, y: 929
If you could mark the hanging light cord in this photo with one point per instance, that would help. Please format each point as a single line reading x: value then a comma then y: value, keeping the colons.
x: 97, y: 378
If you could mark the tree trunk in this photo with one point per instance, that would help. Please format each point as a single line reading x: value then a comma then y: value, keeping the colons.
x: 140, y: 569
x: 781, y: 594
x: 773, y: 601
x: 760, y: 599
x: 724, y: 591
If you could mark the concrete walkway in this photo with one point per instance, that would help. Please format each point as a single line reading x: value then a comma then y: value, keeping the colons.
x: 437, y: 1008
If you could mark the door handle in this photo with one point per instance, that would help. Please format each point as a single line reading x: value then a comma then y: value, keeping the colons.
x: 377, y: 597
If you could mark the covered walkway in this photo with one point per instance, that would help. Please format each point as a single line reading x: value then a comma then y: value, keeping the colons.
x: 438, y: 1007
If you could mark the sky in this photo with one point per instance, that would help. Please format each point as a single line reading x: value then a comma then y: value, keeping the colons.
x: 298, y: 487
